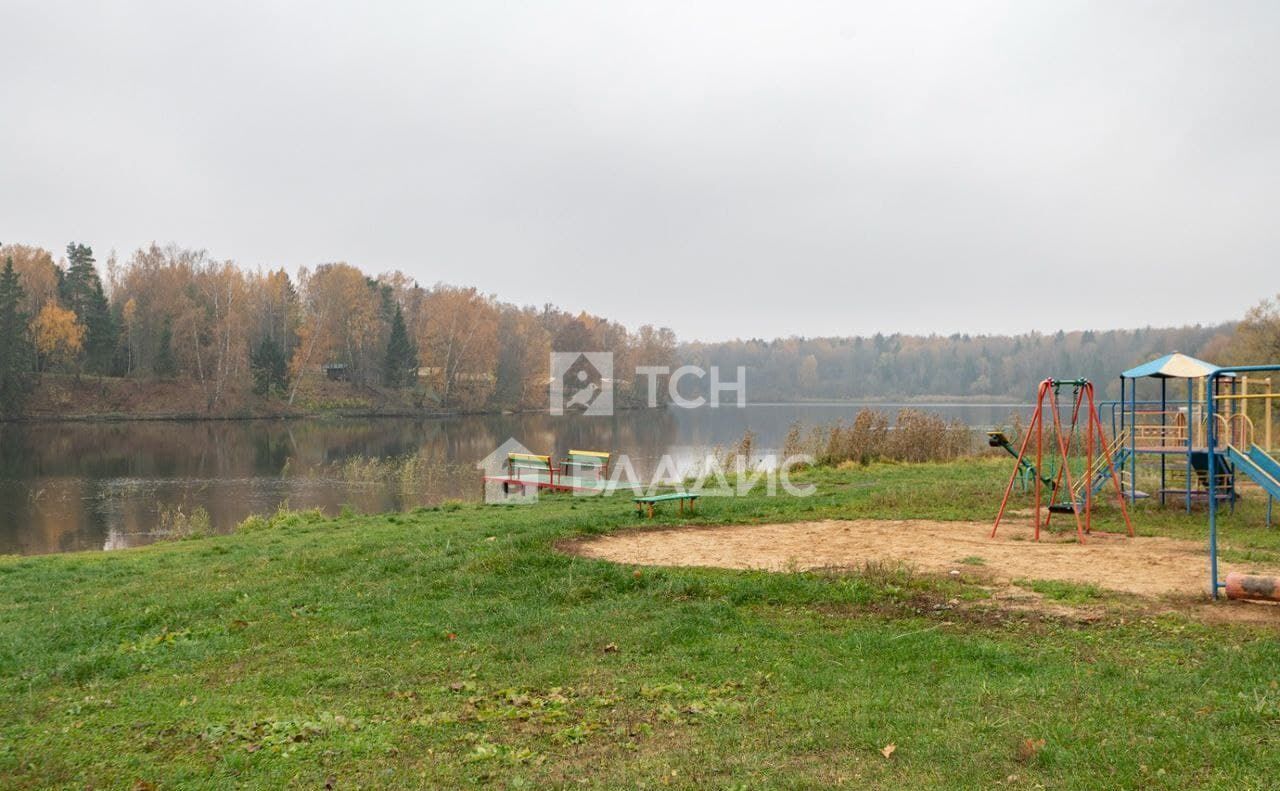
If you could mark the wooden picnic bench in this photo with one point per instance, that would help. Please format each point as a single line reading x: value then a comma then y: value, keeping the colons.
x: 649, y: 501
x: 530, y: 469
x: 594, y: 460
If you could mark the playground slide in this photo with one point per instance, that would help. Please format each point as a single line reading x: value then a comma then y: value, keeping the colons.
x: 1265, y: 461
x: 1260, y: 466
x: 1103, y: 476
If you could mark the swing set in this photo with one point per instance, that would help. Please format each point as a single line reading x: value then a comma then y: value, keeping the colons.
x: 1079, y: 457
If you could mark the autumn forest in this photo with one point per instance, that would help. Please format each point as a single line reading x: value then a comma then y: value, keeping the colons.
x: 174, y: 331
x: 169, y: 314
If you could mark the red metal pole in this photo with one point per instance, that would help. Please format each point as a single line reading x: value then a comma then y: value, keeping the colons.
x: 1088, y: 460
x: 1035, y: 419
x: 1044, y: 388
x: 1115, y: 479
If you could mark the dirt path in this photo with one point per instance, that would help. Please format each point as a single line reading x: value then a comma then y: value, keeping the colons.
x: 1147, y: 566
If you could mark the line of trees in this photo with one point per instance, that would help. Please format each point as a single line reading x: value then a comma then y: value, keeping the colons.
x: 958, y: 366
x: 176, y: 313
x: 179, y: 314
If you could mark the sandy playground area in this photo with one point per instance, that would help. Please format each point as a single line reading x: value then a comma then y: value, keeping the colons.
x: 1142, y: 565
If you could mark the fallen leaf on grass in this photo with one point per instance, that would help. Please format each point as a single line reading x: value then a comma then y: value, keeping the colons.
x: 1028, y: 749
x: 888, y: 749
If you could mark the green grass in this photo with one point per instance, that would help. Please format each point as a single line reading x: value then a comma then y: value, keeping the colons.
x: 457, y: 647
x: 1058, y: 590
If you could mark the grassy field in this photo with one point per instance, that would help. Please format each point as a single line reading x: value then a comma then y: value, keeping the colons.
x: 456, y: 647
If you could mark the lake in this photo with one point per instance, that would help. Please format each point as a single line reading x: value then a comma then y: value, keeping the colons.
x: 75, y: 486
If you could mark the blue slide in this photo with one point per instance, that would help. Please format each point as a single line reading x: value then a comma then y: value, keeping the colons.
x: 1260, y: 466
x: 1103, y: 476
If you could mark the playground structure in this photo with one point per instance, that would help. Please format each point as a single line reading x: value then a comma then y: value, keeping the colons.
x: 1239, y: 456
x: 1092, y: 469
x: 1208, y: 445
x: 1176, y: 433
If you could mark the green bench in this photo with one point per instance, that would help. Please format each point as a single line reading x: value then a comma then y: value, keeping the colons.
x: 651, y: 500
x: 531, y: 469
x: 593, y: 460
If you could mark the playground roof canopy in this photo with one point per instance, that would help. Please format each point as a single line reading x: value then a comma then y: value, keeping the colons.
x: 1171, y: 366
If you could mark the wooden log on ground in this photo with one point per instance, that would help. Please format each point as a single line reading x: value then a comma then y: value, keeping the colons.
x: 1253, y: 587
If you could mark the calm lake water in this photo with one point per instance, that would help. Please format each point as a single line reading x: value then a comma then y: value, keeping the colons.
x: 74, y: 486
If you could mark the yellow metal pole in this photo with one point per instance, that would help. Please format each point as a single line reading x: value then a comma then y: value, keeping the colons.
x: 1194, y: 420
x: 1266, y: 422
x: 1244, y: 394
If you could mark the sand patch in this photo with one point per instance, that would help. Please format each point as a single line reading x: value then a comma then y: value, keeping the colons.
x: 1146, y: 566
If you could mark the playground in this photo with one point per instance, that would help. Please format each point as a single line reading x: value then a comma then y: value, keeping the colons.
x: 1205, y: 448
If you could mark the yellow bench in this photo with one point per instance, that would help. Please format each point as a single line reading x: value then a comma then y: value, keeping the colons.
x: 589, y: 460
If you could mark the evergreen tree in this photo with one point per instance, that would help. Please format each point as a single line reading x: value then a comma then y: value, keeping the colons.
x: 165, y: 364
x: 401, y: 366
x: 80, y: 289
x: 16, y: 352
x: 509, y: 375
x: 270, y: 368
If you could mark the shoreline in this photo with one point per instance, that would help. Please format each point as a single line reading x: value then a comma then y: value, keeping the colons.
x: 337, y: 414
x: 435, y: 414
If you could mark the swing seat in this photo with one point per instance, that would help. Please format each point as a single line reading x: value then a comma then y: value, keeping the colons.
x: 1062, y: 508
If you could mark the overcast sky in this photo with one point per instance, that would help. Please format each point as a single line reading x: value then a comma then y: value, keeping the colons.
x: 722, y: 168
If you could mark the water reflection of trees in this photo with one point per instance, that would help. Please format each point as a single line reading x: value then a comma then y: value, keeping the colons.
x: 67, y: 486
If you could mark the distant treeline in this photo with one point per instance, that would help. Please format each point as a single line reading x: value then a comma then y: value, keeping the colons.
x: 168, y: 313
x: 953, y: 366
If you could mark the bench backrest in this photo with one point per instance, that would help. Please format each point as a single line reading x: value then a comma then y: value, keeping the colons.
x: 658, y: 498
x: 588, y: 459
x: 528, y: 461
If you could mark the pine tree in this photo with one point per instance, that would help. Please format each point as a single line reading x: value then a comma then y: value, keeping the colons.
x: 16, y: 352
x: 270, y: 368
x: 80, y: 289
x: 401, y: 365
x: 165, y: 364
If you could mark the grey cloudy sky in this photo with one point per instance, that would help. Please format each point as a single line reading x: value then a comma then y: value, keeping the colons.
x: 722, y: 168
